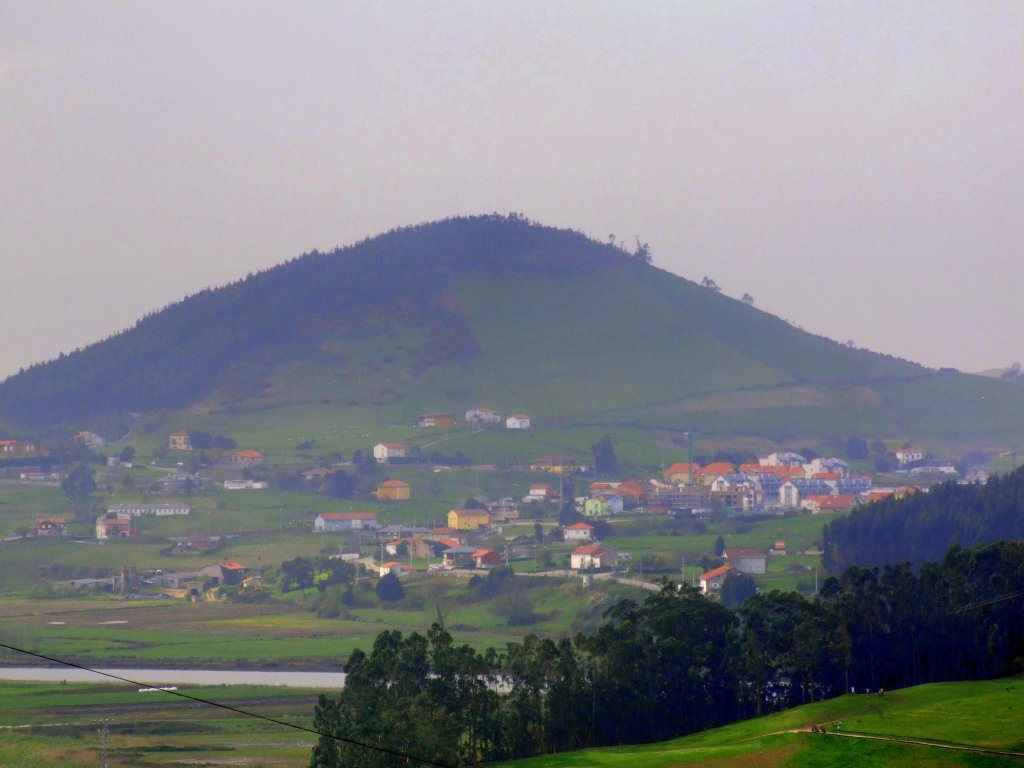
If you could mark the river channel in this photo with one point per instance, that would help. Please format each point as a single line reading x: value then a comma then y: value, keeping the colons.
x: 165, y: 677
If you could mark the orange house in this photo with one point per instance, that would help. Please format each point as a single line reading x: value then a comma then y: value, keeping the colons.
x: 440, y: 420
x: 711, y: 471
x: 394, y: 490
x: 681, y: 472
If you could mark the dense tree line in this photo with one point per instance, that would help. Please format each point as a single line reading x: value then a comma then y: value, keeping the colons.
x: 678, y: 663
x: 176, y: 355
x: 920, y: 527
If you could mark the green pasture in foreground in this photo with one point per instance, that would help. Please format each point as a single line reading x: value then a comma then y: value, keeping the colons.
x: 44, y: 725
x: 988, y: 715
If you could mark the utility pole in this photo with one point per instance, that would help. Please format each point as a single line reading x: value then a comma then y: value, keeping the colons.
x: 104, y: 732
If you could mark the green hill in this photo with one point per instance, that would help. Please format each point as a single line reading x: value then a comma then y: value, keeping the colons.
x: 497, y: 311
x: 920, y: 527
x: 943, y: 724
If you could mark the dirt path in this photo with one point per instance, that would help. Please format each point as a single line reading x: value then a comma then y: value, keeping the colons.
x: 452, y: 437
x: 895, y: 740
x: 924, y: 743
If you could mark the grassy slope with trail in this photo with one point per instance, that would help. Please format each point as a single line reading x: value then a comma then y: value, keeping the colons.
x: 987, y: 715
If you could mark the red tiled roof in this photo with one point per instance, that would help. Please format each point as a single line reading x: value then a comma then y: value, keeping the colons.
x: 682, y: 466
x: 820, y: 498
x: 732, y: 552
x: 579, y: 527
x: 716, y: 572
x: 591, y: 549
x: 718, y: 468
x: 837, y: 502
x: 231, y: 565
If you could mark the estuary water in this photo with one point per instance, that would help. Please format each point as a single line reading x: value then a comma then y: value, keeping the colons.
x: 148, y: 678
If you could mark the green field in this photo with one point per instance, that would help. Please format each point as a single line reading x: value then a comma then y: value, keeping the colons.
x: 284, y: 633
x: 985, y: 717
x: 42, y: 725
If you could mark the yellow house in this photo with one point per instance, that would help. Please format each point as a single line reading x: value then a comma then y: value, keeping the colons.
x: 179, y: 441
x: 468, y: 519
x: 393, y: 490
x: 556, y: 465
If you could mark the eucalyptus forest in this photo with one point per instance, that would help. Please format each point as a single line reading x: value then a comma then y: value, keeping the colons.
x: 678, y: 663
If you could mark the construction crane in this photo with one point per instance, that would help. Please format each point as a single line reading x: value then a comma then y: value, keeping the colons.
x: 690, y: 433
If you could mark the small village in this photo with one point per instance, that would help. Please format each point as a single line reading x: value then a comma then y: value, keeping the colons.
x: 559, y: 524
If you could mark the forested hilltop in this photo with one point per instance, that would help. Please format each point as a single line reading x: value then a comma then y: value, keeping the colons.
x: 678, y: 663
x: 919, y: 527
x: 501, y: 311
x: 176, y: 355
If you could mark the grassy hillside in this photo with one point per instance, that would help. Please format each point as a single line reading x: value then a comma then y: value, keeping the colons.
x: 908, y: 727
x: 492, y: 310
x: 985, y: 715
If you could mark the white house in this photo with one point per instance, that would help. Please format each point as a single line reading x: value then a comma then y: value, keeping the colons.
x: 483, y: 415
x: 114, y: 527
x: 384, y: 451
x: 713, y: 580
x: 89, y: 439
x: 244, y: 485
x: 593, y: 556
x: 730, y: 482
x: 539, y: 492
x: 830, y: 465
x: 148, y: 510
x: 345, y: 521
x: 578, y: 532
x: 752, y: 561
x: 399, y: 569
x: 517, y: 421
x: 783, y: 459
x: 908, y: 455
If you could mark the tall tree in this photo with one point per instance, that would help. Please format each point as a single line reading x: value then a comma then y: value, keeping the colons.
x: 80, y: 483
x: 606, y: 463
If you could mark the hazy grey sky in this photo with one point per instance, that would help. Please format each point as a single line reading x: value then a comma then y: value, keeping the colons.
x: 857, y: 167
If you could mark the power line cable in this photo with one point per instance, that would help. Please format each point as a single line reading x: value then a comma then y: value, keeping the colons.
x: 229, y: 708
x: 992, y: 601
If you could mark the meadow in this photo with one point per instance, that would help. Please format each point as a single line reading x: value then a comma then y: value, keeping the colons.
x: 983, y: 716
x: 45, y: 724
